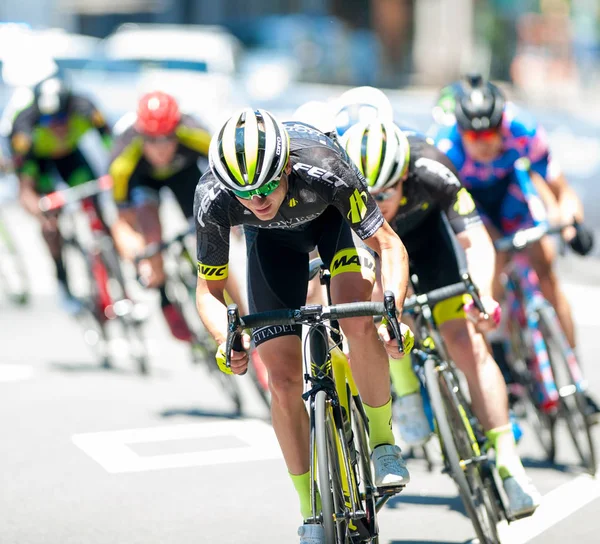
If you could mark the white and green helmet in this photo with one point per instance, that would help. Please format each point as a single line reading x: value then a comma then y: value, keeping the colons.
x: 380, y: 150
x: 249, y: 151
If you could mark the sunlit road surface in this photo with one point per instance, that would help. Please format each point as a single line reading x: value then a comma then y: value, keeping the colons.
x: 95, y: 456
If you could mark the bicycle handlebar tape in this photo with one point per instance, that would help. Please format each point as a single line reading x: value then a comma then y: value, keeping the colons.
x: 443, y: 293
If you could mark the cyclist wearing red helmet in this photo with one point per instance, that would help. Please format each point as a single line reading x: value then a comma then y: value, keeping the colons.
x: 161, y: 148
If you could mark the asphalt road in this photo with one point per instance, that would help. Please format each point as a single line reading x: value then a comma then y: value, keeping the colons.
x: 95, y: 456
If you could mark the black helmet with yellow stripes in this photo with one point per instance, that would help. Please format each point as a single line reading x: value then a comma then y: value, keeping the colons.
x: 249, y: 153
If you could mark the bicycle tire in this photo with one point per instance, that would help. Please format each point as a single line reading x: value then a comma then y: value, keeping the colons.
x: 541, y: 422
x: 364, y: 465
x: 329, y: 473
x: 452, y: 457
x: 11, y: 259
x: 132, y: 328
x: 90, y: 320
x: 573, y: 406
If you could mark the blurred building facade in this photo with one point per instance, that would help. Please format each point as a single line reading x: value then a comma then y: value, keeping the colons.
x: 383, y: 42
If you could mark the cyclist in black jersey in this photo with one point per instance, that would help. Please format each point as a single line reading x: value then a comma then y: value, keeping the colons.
x: 44, y: 143
x: 161, y: 148
x: 294, y: 189
x: 419, y: 193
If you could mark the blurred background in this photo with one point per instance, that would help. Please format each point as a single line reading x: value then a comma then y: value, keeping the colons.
x: 214, y: 56
x: 277, y: 54
x: 548, y: 49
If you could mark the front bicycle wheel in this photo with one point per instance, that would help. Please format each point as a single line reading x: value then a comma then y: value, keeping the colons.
x: 329, y: 472
x: 541, y: 421
x: 13, y: 274
x: 573, y: 405
x: 461, y: 455
x: 82, y: 286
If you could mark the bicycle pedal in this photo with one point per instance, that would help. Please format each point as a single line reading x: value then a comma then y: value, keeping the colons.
x: 517, y: 517
x: 390, y: 490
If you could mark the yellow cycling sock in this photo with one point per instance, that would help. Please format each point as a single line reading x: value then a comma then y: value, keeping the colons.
x: 380, y: 424
x: 508, y: 461
x: 302, y: 484
x: 404, y: 380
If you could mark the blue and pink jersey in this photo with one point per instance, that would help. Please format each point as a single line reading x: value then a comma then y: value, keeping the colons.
x: 505, y: 196
x: 523, y: 137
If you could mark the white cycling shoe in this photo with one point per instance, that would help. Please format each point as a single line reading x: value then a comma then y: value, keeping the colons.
x: 311, y: 533
x: 523, y: 497
x: 413, y: 424
x: 389, y: 467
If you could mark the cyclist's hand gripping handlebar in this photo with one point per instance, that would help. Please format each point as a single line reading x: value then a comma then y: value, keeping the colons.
x: 234, y: 334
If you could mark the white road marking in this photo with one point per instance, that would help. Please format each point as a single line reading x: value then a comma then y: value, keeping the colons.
x: 15, y: 373
x: 584, y: 300
x: 111, y: 451
x: 556, y: 506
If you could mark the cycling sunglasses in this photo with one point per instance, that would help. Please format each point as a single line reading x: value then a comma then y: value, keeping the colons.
x: 384, y: 195
x: 480, y: 135
x: 262, y: 192
x: 53, y: 119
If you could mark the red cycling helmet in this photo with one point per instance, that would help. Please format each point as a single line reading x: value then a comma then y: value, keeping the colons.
x: 157, y: 114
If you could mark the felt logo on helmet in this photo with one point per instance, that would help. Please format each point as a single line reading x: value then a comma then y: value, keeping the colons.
x: 358, y: 206
x: 464, y: 204
x: 353, y: 260
x: 207, y: 272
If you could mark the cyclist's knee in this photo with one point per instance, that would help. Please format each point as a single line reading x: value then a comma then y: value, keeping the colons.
x: 466, y: 347
x: 282, y: 358
x: 357, y: 327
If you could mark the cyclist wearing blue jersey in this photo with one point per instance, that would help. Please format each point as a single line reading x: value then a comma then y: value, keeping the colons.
x: 485, y: 140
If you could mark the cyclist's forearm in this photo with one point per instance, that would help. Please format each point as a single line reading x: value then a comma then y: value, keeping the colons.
x: 481, y: 257
x: 210, y: 302
x: 128, y: 241
x: 570, y: 205
x: 394, y: 261
x: 149, y: 223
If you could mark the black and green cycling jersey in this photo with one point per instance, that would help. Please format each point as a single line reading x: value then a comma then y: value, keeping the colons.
x: 39, y: 148
x: 32, y: 139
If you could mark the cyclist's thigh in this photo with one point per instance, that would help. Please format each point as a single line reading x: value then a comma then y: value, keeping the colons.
x: 183, y: 185
x: 542, y: 255
x: 351, y: 264
x: 433, y: 259
x: 277, y: 275
x: 74, y: 169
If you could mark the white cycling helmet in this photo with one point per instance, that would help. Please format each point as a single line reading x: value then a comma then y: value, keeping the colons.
x: 317, y: 114
x: 380, y: 151
x: 361, y: 104
x: 249, y: 151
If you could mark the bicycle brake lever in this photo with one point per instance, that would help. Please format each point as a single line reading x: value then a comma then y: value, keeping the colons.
x: 234, y: 338
x: 389, y: 302
x: 474, y: 292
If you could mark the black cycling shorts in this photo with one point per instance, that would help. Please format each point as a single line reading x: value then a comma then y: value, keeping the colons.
x: 73, y: 169
x: 144, y: 189
x: 278, y: 265
x: 432, y: 257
